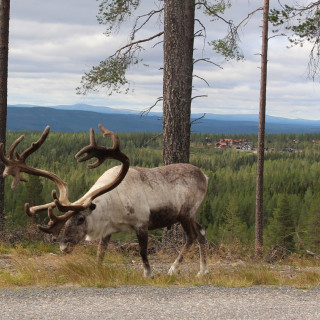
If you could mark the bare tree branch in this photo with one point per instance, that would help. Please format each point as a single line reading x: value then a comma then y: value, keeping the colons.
x: 146, y: 111
x: 200, y: 96
x: 208, y: 61
x: 204, y: 4
x: 277, y: 35
x: 130, y: 45
x: 249, y: 16
x: 157, y: 44
x: 197, y: 119
x: 207, y: 83
x: 149, y: 16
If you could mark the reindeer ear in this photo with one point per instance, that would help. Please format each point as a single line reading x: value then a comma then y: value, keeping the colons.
x: 92, y: 206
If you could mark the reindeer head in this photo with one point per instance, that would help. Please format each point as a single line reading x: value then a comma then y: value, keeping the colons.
x: 75, y: 214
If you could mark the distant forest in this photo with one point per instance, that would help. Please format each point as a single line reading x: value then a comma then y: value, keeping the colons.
x: 292, y: 183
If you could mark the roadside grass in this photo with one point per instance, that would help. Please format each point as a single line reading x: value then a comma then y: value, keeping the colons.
x: 41, y: 264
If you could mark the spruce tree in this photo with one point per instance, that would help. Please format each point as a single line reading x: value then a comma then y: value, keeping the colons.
x: 281, y: 228
x: 310, y: 227
x: 234, y: 229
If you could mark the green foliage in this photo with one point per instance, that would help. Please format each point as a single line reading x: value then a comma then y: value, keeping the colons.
x: 234, y: 230
x: 302, y: 24
x: 115, y: 12
x: 310, y: 225
x: 110, y: 74
x: 205, y: 214
x: 29, y: 193
x: 281, y: 228
x: 227, y: 212
x: 228, y: 48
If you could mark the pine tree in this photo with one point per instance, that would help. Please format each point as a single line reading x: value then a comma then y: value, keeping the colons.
x: 281, y: 228
x: 310, y: 227
x: 233, y: 228
x: 31, y: 193
x: 205, y: 213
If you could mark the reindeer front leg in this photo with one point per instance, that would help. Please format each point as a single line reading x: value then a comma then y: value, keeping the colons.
x: 142, y: 235
x: 103, y: 244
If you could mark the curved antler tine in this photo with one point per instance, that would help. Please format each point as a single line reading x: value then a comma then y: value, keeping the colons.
x: 64, y: 207
x: 3, y: 159
x: 91, y: 151
x: 13, y: 146
x: 84, y: 150
x: 51, y: 215
x: 62, y: 218
x: 55, y: 224
x: 27, y: 209
x: 46, y: 229
x: 53, y: 228
x: 31, y: 211
x: 95, y: 164
x: 36, y: 145
x: 115, y: 138
x: 67, y: 208
x: 88, y: 156
x: 16, y: 179
x: 87, y: 149
x: 92, y: 138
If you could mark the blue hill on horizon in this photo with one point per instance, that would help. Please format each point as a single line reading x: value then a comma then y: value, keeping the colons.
x: 81, y: 117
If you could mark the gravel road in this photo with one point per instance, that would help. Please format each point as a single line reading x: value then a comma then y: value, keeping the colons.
x: 147, y: 303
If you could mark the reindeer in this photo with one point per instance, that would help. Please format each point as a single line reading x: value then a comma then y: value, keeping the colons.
x: 123, y: 199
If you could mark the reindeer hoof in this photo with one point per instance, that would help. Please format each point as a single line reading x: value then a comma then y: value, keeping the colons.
x: 148, y: 273
x: 172, y: 271
x: 202, y: 273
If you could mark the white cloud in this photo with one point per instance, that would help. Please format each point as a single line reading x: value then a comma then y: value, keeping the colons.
x: 52, y: 44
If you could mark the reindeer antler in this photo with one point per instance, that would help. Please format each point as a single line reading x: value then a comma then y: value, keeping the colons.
x: 91, y: 151
x: 101, y: 153
x: 15, y: 164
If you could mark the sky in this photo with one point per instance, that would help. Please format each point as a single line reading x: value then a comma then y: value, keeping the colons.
x: 53, y: 43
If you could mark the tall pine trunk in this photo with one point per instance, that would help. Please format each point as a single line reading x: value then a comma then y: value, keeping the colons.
x: 261, y: 134
x: 177, y: 79
x: 4, y: 50
x: 177, y: 90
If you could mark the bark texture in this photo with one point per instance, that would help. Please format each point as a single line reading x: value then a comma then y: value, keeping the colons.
x: 261, y: 133
x: 177, y: 91
x: 4, y: 50
x: 177, y: 79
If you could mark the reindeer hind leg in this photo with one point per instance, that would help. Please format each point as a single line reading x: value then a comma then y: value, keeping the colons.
x: 142, y: 235
x: 201, y: 236
x: 190, y: 237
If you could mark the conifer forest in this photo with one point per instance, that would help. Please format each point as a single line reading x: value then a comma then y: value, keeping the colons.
x: 291, y: 186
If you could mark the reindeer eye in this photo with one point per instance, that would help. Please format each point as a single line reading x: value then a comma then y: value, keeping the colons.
x: 80, y: 220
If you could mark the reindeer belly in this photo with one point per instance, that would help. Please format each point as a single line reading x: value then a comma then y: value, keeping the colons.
x: 162, y: 217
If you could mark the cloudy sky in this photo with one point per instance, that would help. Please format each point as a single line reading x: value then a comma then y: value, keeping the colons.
x: 52, y: 44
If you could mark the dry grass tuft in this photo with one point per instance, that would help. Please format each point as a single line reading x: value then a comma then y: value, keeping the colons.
x: 41, y: 264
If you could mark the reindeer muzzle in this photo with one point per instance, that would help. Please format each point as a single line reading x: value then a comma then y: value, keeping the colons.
x: 66, y: 247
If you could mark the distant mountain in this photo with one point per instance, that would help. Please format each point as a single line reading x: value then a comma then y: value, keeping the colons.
x: 82, y: 117
x: 82, y: 107
x: 255, y: 118
x: 36, y: 118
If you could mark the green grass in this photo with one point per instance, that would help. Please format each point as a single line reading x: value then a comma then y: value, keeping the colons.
x: 40, y: 264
